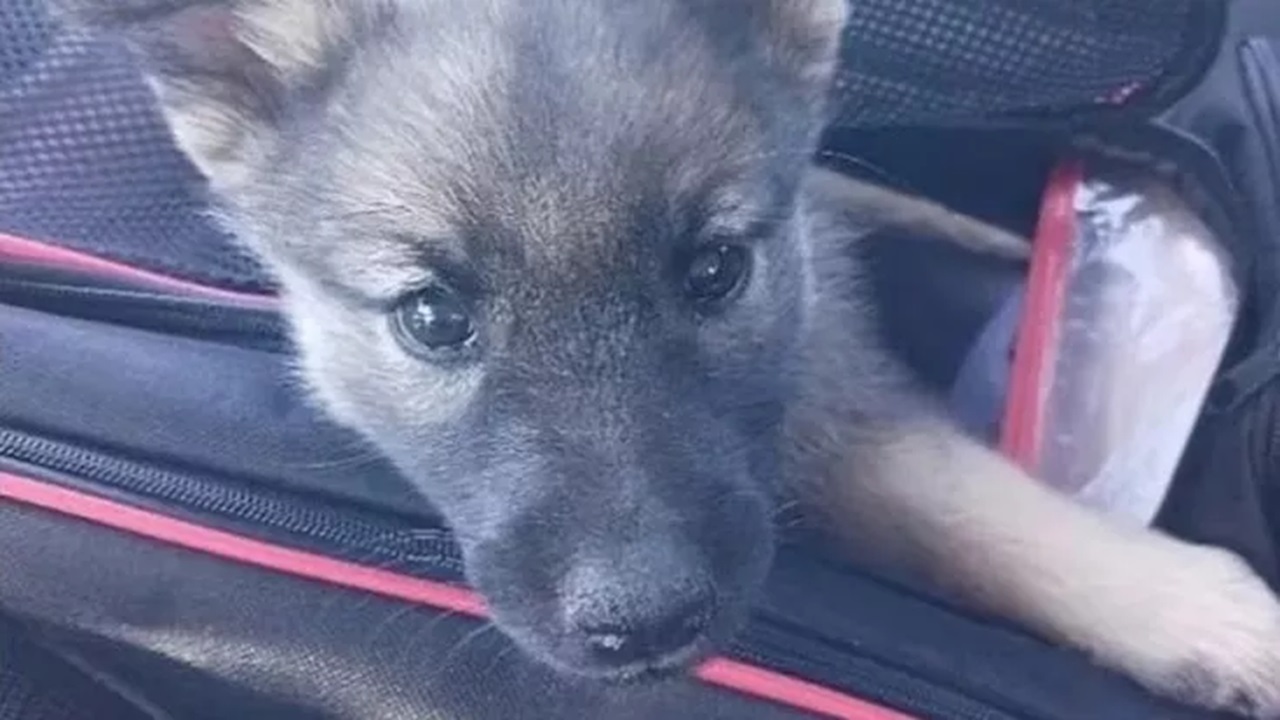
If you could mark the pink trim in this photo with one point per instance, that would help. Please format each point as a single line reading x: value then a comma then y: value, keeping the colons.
x: 1033, y: 366
x: 18, y: 250
x: 727, y: 674
x: 785, y: 690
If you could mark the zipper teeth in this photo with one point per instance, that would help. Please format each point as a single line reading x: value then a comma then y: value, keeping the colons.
x: 393, y: 546
x: 428, y: 552
x: 431, y: 553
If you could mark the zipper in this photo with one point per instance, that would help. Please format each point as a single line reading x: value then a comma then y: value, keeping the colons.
x: 356, y: 534
x: 398, y: 544
x: 393, y: 543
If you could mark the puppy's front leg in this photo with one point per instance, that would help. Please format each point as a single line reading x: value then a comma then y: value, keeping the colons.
x: 1187, y: 621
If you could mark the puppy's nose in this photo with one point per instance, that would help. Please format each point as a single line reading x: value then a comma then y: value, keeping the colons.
x: 620, y: 642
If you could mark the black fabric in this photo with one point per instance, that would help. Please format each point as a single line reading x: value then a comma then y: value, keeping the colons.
x: 1223, y: 136
x: 932, y: 298
x: 37, y: 684
x: 1228, y: 489
x: 156, y: 382
x: 286, y: 649
x: 232, y: 641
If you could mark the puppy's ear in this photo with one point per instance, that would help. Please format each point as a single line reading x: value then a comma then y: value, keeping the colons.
x: 223, y: 69
x: 804, y: 36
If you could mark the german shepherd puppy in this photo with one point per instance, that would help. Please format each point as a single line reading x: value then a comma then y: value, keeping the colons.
x: 569, y: 266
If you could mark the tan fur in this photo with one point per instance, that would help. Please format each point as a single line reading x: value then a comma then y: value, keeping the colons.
x: 1188, y: 621
x: 926, y: 502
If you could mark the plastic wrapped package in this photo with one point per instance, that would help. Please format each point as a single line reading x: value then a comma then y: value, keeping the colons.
x: 1114, y: 340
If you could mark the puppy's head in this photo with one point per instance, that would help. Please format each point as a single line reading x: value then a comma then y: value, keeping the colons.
x: 542, y: 254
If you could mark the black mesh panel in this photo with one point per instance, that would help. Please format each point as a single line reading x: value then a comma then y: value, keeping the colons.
x: 86, y: 162
x: 930, y: 62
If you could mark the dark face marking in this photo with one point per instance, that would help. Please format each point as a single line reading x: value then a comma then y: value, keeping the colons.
x: 542, y: 254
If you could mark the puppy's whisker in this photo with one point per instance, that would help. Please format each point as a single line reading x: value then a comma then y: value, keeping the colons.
x: 881, y: 172
x: 501, y: 655
x: 392, y: 618
x: 485, y: 628
x: 370, y: 457
x: 424, y: 635
x: 798, y: 152
x: 353, y: 451
x: 371, y: 210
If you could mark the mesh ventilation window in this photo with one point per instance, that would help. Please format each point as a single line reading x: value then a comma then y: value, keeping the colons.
x: 932, y: 62
x: 86, y: 162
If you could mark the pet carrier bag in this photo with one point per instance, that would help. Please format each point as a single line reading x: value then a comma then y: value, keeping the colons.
x: 185, y: 537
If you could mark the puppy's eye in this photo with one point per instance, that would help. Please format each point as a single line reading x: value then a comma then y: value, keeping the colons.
x: 715, y: 271
x: 433, y: 320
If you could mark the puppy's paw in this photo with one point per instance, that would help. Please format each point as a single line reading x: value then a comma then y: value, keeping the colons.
x: 1207, y: 633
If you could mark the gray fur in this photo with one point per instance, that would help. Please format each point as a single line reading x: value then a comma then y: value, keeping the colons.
x: 609, y: 454
x: 611, y: 450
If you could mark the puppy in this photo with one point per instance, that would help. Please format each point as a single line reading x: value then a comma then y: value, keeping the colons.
x: 569, y: 266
